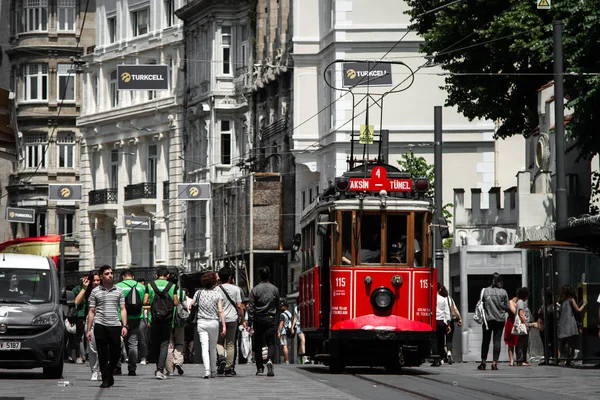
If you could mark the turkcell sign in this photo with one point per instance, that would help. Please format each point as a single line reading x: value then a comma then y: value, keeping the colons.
x: 22, y: 215
x: 193, y: 191
x: 133, y: 222
x: 66, y: 192
x: 142, y: 77
x: 390, y: 185
x: 367, y: 73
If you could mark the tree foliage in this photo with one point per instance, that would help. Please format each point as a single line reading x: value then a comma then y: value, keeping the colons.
x: 419, y: 168
x: 499, y: 53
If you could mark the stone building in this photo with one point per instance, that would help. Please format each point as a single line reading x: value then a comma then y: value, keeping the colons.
x: 45, y: 39
x: 217, y: 133
x: 130, y: 159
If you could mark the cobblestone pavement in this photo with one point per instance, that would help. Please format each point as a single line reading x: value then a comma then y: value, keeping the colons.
x: 286, y: 384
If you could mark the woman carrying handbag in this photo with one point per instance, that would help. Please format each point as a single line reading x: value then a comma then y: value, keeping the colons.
x: 521, y: 326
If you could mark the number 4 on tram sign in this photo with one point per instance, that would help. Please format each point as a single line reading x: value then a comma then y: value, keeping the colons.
x: 543, y: 4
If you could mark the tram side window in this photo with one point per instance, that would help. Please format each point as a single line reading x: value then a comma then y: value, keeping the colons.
x: 418, y: 243
x: 346, y: 230
x: 396, y: 238
x: 370, y: 239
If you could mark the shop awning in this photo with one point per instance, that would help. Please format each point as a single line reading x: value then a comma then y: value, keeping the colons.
x: 548, y: 244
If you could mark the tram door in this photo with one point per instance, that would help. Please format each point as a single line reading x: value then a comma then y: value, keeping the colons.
x: 324, y: 235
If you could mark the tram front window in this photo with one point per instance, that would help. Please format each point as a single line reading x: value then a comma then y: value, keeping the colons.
x: 370, y: 239
x: 397, y: 239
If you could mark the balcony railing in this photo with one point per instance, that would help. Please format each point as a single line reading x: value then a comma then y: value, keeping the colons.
x: 146, y: 190
x: 166, y: 190
x: 103, y: 196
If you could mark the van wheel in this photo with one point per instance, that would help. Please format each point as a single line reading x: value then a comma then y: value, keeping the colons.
x: 55, y: 372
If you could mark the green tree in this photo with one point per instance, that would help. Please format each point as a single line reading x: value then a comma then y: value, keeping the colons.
x: 498, y: 53
x: 418, y: 167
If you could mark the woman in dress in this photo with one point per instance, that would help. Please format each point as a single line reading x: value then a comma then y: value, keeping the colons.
x: 567, y: 329
x: 509, y: 339
x: 210, y: 312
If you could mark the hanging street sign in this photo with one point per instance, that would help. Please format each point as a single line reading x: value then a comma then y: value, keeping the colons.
x: 22, y: 215
x: 140, y: 223
x: 64, y: 192
x: 193, y: 191
x: 543, y: 4
x: 142, y: 77
x: 366, y: 134
x: 367, y: 73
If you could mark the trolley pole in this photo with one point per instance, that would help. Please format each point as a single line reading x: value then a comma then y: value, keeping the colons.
x: 437, y: 170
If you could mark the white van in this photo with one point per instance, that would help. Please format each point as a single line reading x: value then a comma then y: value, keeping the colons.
x: 32, y: 330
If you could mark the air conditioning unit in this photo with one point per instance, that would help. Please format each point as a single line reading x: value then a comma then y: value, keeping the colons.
x: 503, y: 236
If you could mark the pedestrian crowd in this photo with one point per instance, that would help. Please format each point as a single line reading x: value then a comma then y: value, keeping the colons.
x: 509, y: 318
x: 131, y: 322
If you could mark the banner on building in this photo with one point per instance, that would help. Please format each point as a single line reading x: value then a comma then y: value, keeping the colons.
x: 140, y: 223
x: 142, y: 77
x: 367, y: 73
x: 20, y: 215
x: 48, y: 246
x: 193, y: 191
x: 64, y: 192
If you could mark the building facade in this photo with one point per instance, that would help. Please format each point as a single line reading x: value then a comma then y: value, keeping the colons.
x: 132, y: 140
x: 45, y: 38
x: 325, y: 118
x: 218, y: 132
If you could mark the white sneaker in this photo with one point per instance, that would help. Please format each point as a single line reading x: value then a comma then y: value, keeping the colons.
x: 143, y: 362
x: 160, y: 375
x: 95, y: 376
x: 79, y: 361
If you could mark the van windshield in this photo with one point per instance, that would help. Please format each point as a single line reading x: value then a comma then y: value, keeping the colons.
x: 25, y: 285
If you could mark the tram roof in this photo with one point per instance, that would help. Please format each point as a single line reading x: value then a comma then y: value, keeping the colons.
x: 369, y: 203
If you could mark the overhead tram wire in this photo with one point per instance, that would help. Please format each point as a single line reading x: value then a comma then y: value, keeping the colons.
x: 60, y: 106
x: 310, y: 118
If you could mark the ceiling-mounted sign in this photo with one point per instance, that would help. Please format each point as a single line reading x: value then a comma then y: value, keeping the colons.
x: 142, y: 77
x: 367, y: 73
x: 193, y: 191
x: 21, y: 215
x: 141, y: 223
x: 64, y: 192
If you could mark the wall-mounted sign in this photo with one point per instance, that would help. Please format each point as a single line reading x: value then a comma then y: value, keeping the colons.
x: 66, y: 192
x: 22, y: 215
x: 367, y: 73
x: 142, y: 77
x: 193, y: 191
x: 141, y: 223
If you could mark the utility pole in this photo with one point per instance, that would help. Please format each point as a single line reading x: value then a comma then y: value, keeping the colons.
x: 559, y: 126
x: 437, y: 171
x: 62, y: 262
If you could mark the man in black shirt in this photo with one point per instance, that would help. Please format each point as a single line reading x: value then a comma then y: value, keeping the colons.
x: 262, y: 315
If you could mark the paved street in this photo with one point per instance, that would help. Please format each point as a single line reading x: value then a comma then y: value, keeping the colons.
x: 459, y: 381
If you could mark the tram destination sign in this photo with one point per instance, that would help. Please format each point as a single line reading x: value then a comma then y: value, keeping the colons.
x: 379, y: 181
x: 391, y: 185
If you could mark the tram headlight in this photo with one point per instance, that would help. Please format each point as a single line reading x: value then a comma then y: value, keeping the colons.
x: 382, y: 299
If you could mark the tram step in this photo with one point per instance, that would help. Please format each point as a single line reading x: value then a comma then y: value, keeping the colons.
x: 321, y: 357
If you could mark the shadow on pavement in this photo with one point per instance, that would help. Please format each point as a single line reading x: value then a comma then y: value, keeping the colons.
x: 20, y: 374
x: 407, y: 371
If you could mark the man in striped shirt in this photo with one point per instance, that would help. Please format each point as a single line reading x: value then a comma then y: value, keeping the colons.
x: 104, y: 303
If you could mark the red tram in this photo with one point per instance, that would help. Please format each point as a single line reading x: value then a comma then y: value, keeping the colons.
x: 366, y: 292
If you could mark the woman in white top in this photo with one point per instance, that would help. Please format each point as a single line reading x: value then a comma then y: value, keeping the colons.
x: 210, y: 312
x: 442, y: 327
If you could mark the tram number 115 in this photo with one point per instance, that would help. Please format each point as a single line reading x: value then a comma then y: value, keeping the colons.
x: 340, y: 282
x: 424, y: 283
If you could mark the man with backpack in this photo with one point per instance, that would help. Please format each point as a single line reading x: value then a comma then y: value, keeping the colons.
x: 162, y: 298
x: 134, y: 294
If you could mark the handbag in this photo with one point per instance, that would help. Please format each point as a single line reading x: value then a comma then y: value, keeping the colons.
x: 479, y: 316
x: 519, y: 328
x: 453, y: 315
